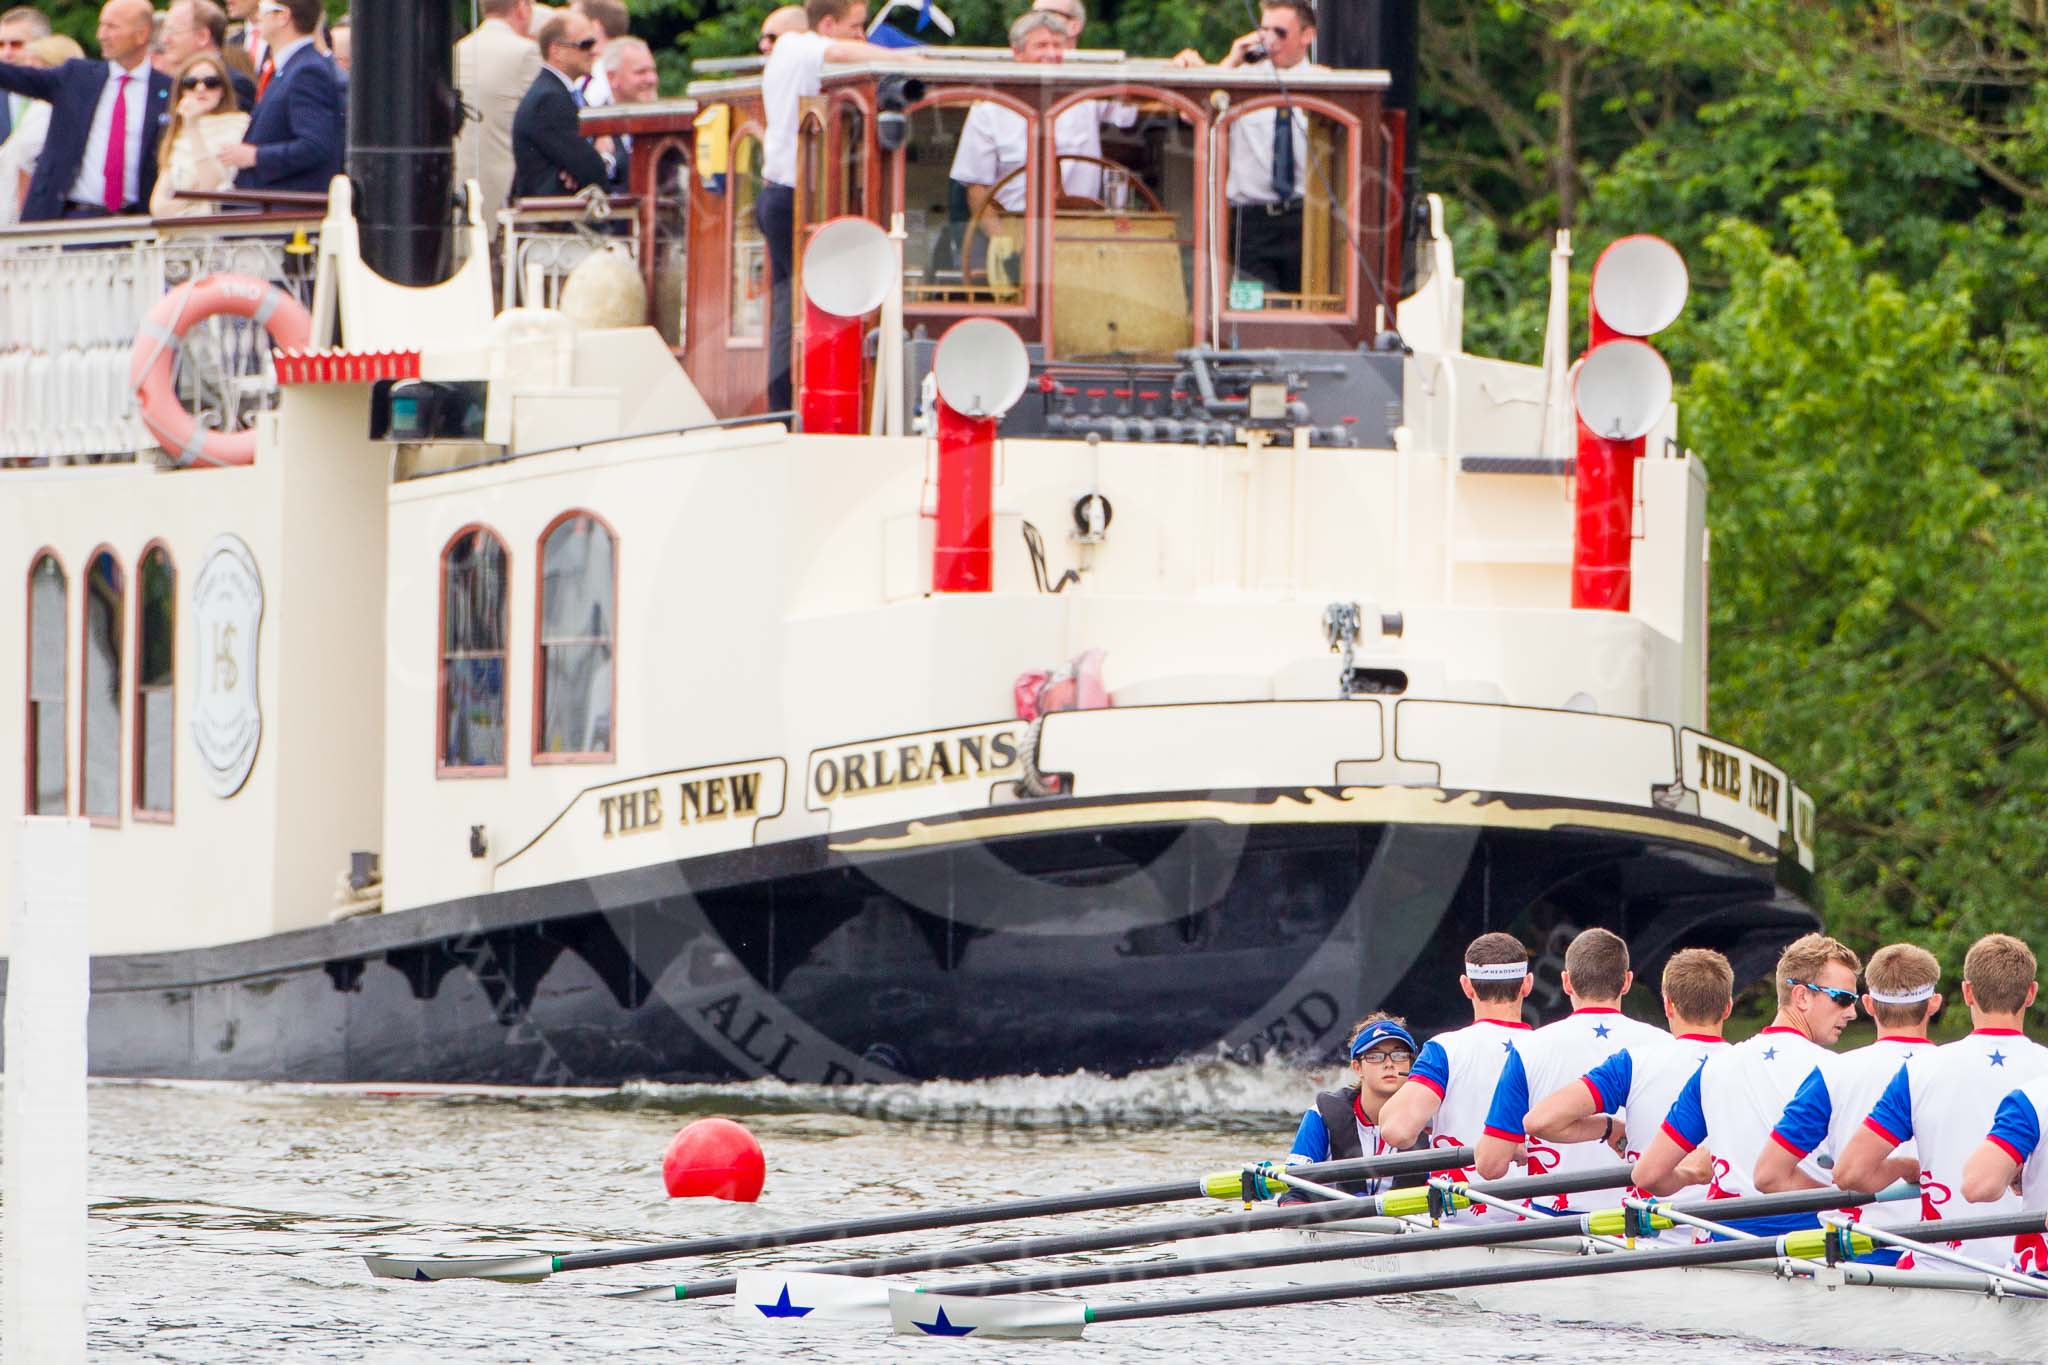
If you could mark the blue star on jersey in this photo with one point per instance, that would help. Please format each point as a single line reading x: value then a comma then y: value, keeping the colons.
x: 782, y: 1307
x: 1601, y: 1030
x: 942, y: 1328
x: 1770, y: 1054
x: 1998, y: 1059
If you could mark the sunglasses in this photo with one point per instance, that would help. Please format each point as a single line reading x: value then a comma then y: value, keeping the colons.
x: 1399, y: 1056
x: 585, y: 45
x: 1839, y: 996
x: 201, y: 83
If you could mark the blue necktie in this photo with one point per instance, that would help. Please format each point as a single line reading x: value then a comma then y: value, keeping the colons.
x: 1283, y: 155
x: 576, y: 93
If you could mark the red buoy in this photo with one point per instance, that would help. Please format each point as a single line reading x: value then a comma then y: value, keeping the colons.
x: 716, y: 1158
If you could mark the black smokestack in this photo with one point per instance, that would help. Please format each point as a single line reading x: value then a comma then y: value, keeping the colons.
x: 1374, y: 35
x: 401, y: 134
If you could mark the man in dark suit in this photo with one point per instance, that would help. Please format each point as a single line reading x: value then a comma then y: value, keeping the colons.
x: 295, y: 139
x: 550, y: 155
x: 106, y: 118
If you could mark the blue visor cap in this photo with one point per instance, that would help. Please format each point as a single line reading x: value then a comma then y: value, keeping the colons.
x: 1379, y: 1031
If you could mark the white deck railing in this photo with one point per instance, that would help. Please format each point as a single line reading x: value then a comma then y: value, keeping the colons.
x: 72, y: 297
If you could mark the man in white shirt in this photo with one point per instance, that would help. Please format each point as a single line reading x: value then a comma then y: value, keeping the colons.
x: 1269, y: 168
x: 494, y: 67
x: 1451, y: 1084
x: 1641, y: 1080
x: 1828, y: 1108
x: 1596, y: 977
x: 1075, y: 12
x: 1944, y: 1103
x: 1731, y: 1102
x: 610, y: 22
x: 2013, y: 1160
x: 793, y: 71
x: 995, y: 141
x: 106, y: 118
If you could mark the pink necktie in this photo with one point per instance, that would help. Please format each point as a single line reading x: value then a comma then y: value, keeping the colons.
x: 117, y: 146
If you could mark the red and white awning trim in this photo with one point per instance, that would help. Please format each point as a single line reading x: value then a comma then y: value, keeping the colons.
x: 344, y: 367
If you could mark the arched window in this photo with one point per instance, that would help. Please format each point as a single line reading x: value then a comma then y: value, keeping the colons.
x: 473, y: 586
x: 99, y: 705
x: 156, y: 664
x: 49, y: 787
x: 573, y: 662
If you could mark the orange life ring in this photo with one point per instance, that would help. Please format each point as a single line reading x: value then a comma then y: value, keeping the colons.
x: 156, y: 346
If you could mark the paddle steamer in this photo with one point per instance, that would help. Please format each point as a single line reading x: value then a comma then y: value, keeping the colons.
x: 533, y: 707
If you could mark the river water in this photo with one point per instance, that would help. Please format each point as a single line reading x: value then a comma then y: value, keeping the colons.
x: 228, y: 1220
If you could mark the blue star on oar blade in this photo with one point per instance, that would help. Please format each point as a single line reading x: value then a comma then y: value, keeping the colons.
x: 782, y: 1307
x: 943, y: 1328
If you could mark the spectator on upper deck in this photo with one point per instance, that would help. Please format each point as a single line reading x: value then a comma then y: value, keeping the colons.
x: 19, y: 152
x: 994, y: 140
x: 787, y: 19
x: 99, y: 157
x: 1075, y: 12
x: 630, y: 65
x: 206, y: 120
x: 1269, y: 156
x: 550, y: 155
x: 295, y: 139
x: 195, y: 26
x: 835, y: 34
x: 19, y: 27
x: 494, y: 68
x: 609, y: 23
x: 340, y: 44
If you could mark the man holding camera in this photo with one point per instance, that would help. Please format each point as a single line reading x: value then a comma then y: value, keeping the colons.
x: 1269, y: 152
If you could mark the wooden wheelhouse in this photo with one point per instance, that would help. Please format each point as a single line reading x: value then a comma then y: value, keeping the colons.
x: 1121, y: 256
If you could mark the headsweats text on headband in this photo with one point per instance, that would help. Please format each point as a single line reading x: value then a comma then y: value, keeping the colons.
x: 1496, y: 971
x: 1378, y: 1031
x: 1912, y: 997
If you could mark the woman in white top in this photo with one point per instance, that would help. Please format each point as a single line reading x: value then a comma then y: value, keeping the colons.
x: 18, y: 154
x: 204, y: 120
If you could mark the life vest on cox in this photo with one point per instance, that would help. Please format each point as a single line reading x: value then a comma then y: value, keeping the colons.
x: 156, y: 346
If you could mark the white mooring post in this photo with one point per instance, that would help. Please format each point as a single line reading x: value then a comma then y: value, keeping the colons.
x: 44, y: 1121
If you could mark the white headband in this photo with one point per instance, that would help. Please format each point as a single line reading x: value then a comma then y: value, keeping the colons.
x: 1912, y: 997
x: 1496, y: 971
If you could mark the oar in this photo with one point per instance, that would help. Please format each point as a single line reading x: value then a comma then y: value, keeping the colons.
x: 1394, y: 1203
x: 923, y: 1314
x: 1599, y: 1223
x: 1218, y: 1185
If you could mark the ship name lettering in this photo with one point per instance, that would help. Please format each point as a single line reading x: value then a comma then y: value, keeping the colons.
x: 919, y: 763
x: 1763, y: 793
x: 633, y: 812
x: 1721, y: 772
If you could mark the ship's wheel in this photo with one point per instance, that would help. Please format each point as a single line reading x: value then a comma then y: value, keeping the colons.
x: 979, y: 222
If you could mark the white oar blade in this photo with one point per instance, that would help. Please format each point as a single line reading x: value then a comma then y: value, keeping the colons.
x: 794, y: 1298
x: 963, y: 1315
x: 512, y: 1269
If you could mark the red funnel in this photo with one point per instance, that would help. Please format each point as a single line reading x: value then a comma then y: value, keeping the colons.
x: 714, y: 1158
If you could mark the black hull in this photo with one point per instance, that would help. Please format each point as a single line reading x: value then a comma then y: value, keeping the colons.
x: 1113, y: 947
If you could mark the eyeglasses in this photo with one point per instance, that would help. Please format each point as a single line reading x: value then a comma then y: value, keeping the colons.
x: 201, y: 83
x: 1834, y: 993
x: 1399, y: 1056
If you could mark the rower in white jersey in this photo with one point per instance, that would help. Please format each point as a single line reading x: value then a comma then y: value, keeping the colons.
x: 1828, y: 1108
x: 2013, y: 1158
x: 1344, y: 1124
x: 1451, y: 1084
x: 1641, y: 1080
x: 1944, y: 1102
x: 1596, y: 977
x: 1730, y: 1104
